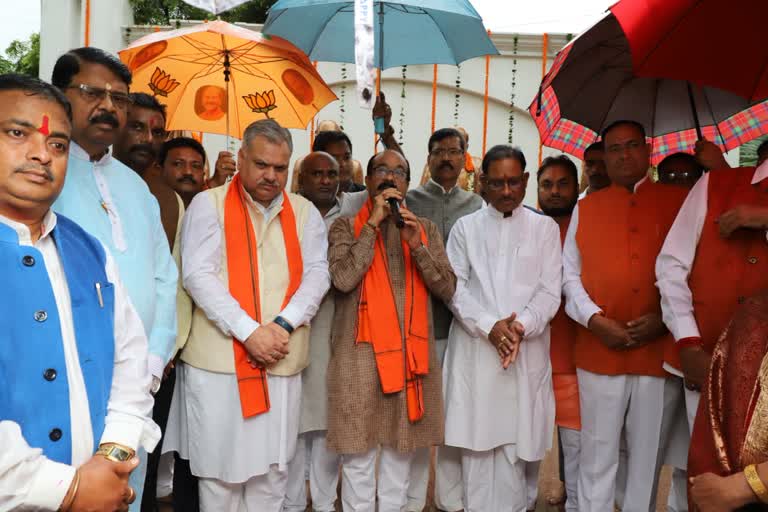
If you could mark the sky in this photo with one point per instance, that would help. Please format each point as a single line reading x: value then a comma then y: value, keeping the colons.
x: 527, y: 16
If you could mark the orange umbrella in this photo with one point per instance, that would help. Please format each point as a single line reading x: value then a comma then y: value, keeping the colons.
x: 219, y: 78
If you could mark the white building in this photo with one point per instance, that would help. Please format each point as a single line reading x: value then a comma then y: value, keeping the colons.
x: 513, y: 81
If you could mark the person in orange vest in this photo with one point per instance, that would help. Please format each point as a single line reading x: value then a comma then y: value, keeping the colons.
x: 558, y: 187
x: 610, y: 250
x: 384, y: 382
x: 720, y: 230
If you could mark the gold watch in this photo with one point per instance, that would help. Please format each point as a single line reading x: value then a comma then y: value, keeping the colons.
x: 115, y: 452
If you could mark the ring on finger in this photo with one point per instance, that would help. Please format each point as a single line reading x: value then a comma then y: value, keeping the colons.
x: 131, y: 495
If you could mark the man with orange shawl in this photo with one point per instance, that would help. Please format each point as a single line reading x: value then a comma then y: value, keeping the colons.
x: 254, y: 262
x: 384, y: 385
x: 728, y: 461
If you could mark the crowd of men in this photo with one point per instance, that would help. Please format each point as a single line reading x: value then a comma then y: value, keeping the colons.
x: 254, y: 339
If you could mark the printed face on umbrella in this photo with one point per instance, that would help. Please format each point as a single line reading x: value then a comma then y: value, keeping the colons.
x: 211, y: 103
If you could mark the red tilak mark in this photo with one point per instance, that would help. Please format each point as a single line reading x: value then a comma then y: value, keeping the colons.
x: 44, y: 128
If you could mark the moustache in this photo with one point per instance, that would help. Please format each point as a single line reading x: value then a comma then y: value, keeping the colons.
x: 147, y: 148
x: 385, y: 185
x: 105, y: 118
x: 187, y: 178
x: 40, y: 168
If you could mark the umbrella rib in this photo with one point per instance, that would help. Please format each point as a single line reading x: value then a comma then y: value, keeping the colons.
x: 760, y: 74
x: 712, y: 113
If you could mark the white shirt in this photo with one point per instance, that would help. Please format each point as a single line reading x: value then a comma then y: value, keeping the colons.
x: 578, y: 304
x: 201, y: 246
x: 675, y: 261
x: 28, y: 480
x: 502, y: 266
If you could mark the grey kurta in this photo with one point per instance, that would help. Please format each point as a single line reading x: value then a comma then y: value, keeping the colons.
x: 360, y: 415
x: 314, y: 397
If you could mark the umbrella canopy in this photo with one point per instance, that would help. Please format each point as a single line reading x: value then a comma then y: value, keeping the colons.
x: 415, y: 31
x: 707, y: 42
x: 592, y: 83
x: 219, y: 78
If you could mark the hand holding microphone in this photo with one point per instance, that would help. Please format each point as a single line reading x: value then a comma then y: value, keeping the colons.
x: 385, y: 204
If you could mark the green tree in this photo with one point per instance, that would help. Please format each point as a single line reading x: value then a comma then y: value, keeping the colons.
x: 163, y: 12
x: 22, y: 57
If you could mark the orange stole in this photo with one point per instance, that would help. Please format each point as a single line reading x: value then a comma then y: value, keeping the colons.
x: 243, y: 271
x: 379, y: 324
x: 469, y: 165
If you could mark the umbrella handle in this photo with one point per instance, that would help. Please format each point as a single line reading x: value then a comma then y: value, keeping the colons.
x: 694, y: 111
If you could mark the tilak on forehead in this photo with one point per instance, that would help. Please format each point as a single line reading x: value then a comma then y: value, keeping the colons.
x: 44, y: 128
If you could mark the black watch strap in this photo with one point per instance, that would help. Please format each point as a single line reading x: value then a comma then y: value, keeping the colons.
x: 282, y: 322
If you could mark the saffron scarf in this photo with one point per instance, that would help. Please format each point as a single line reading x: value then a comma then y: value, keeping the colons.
x: 243, y: 271
x: 379, y: 324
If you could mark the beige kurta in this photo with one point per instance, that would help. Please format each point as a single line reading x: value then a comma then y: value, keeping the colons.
x: 360, y: 415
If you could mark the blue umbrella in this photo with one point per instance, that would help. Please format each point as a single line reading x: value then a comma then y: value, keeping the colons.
x: 417, y: 31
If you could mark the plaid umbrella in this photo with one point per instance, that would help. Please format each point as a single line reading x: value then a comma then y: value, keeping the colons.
x: 592, y: 84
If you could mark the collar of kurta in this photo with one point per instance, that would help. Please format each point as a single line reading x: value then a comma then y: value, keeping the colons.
x: 14, y: 232
x: 75, y: 150
x: 435, y: 188
x: 493, y: 212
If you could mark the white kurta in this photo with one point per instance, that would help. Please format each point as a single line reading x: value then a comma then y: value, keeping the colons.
x: 28, y: 480
x: 205, y: 424
x: 502, y: 265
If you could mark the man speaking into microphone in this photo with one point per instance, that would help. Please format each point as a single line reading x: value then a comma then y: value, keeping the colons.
x: 384, y: 277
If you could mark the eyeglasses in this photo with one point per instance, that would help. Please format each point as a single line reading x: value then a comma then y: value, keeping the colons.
x: 497, y: 185
x: 632, y: 145
x: 676, y: 175
x: 441, y: 152
x: 382, y: 172
x: 92, y: 94
x: 318, y: 174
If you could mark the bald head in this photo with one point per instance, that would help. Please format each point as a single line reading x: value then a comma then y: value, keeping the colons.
x: 464, y: 134
x: 319, y: 179
x: 328, y: 126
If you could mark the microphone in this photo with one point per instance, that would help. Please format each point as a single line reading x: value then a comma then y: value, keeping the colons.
x: 394, y: 207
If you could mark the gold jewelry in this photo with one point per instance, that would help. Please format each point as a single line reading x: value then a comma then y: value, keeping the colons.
x: 69, y: 499
x: 115, y: 452
x: 757, y: 485
x: 131, y: 496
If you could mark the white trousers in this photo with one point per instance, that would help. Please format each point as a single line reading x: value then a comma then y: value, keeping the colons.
x: 263, y: 493
x: 312, y: 450
x: 165, y: 475
x: 678, y: 492
x: 359, y: 486
x: 531, y: 483
x: 448, y: 487
x: 610, y: 403
x: 570, y: 440
x: 494, y: 480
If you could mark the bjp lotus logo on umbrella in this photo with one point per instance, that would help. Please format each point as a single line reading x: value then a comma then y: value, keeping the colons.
x: 161, y: 83
x: 261, y: 103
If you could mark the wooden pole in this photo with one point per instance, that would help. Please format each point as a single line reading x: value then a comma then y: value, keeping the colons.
x: 312, y: 129
x: 544, y: 47
x: 485, y: 100
x: 87, y: 23
x: 434, y: 96
x: 378, y: 90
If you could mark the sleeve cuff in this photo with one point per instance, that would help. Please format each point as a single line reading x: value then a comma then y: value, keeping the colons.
x: 292, y: 315
x: 485, y: 324
x: 49, y: 486
x: 155, y: 365
x: 245, y: 326
x: 684, y: 327
x: 588, y: 311
x: 526, y: 320
x: 132, y: 432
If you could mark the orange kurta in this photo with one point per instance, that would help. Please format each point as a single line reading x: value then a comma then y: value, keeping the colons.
x: 562, y: 340
x: 619, y: 236
x: 726, y: 270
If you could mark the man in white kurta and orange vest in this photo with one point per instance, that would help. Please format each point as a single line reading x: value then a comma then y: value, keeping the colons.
x: 714, y: 257
x: 254, y: 262
x: 609, y: 256
x: 558, y: 186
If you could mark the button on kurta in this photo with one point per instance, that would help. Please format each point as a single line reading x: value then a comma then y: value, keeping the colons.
x: 28, y: 260
x: 55, y: 434
x: 49, y: 374
x: 752, y: 260
x: 41, y: 316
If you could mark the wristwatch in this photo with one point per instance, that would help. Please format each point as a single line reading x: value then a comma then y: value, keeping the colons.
x: 115, y: 452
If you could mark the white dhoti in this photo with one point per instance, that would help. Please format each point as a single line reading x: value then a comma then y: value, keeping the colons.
x: 260, y: 493
x: 570, y: 440
x: 359, y: 486
x: 206, y: 427
x: 609, y: 404
x: 448, y: 486
x: 494, y: 480
x: 312, y: 452
x: 531, y: 484
x: 679, y: 443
